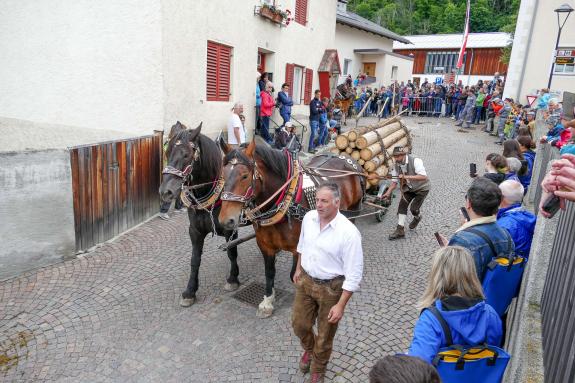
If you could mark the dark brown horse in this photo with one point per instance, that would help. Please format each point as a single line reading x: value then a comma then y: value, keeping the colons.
x: 252, y: 176
x: 196, y: 160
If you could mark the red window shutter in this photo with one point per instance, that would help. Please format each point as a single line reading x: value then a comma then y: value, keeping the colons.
x: 224, y: 74
x: 218, y: 72
x: 301, y: 12
x: 289, y: 78
x: 308, y: 85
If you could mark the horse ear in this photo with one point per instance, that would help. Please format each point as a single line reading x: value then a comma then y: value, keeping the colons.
x: 195, y: 132
x: 225, y: 147
x: 251, y: 148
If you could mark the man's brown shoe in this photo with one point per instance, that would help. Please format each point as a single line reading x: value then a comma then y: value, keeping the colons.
x: 398, y: 233
x: 305, y: 362
x: 316, y: 377
x: 413, y: 224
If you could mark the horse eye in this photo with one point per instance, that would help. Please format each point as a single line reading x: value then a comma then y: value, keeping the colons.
x: 245, y: 177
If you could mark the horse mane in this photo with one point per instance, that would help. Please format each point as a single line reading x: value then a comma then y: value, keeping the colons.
x: 210, y: 161
x: 274, y: 159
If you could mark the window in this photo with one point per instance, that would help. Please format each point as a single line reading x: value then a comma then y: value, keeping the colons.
x: 301, y: 12
x: 218, y: 72
x: 393, y: 73
x: 346, y: 66
x: 440, y: 62
x: 300, y: 81
x: 297, y: 84
x: 565, y: 61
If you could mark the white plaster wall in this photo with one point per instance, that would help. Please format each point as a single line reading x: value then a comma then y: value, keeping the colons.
x: 348, y: 39
x: 82, y: 63
x: 404, y: 69
x: 187, y: 26
x: 521, y: 40
x: 541, y: 49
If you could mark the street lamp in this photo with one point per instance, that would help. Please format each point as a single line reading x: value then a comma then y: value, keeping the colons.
x: 562, y: 12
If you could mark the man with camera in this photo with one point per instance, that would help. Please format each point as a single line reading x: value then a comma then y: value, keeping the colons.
x: 410, y: 173
x: 480, y: 233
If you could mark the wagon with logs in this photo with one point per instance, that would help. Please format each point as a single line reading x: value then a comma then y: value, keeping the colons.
x: 367, y: 152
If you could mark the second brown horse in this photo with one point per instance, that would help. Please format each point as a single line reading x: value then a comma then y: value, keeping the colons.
x: 252, y: 176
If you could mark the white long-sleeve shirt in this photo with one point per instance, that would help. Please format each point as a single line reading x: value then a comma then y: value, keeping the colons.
x: 331, y: 252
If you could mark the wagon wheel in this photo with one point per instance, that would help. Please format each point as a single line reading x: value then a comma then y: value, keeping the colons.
x: 380, y: 215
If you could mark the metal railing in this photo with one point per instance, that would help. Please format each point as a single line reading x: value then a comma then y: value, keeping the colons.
x: 557, y: 303
x: 422, y: 106
x: 558, y: 297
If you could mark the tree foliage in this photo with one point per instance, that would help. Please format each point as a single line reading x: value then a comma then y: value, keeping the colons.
x: 417, y: 17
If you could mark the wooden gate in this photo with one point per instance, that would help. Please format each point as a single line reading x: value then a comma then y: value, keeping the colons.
x: 115, y: 187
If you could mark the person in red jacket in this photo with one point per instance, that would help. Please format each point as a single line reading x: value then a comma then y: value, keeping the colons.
x: 266, y: 109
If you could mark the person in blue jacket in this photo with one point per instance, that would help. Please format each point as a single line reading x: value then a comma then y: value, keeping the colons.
x: 285, y: 103
x: 518, y: 221
x: 454, y: 289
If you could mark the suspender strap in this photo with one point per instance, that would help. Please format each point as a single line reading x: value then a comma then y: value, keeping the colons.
x: 492, y: 246
x: 443, y: 323
x: 485, y: 238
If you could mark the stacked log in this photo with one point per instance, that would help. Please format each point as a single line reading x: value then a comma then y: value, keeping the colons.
x: 372, y: 146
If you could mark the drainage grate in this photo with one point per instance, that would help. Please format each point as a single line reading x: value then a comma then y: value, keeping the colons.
x: 253, y: 294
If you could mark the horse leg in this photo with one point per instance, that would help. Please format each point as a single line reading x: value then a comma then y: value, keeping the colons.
x: 266, y: 307
x: 232, y: 283
x: 189, y: 295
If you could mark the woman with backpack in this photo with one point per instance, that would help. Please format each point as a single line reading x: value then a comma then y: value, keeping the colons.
x: 455, y: 292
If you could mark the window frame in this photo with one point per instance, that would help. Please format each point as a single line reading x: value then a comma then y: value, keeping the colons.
x: 298, y: 16
x: 221, y: 51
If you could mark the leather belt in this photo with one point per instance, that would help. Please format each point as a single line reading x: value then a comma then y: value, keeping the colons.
x: 322, y: 281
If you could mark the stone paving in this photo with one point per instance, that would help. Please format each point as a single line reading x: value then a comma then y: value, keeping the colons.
x: 113, y: 315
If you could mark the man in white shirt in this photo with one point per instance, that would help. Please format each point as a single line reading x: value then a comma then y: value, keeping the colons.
x: 410, y: 173
x: 236, y: 130
x: 329, y: 271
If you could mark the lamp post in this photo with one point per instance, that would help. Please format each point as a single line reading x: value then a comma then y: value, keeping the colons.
x: 563, y: 11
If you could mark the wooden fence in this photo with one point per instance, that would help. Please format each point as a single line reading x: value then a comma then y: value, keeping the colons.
x: 115, y: 187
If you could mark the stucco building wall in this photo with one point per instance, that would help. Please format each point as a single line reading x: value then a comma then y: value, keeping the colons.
x: 185, y: 51
x: 534, y: 47
x: 349, y: 39
x: 95, y: 65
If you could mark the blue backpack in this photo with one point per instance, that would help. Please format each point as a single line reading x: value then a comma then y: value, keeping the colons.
x: 468, y: 364
x: 503, y: 276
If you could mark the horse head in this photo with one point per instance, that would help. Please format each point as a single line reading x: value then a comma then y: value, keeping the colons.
x: 240, y: 175
x: 182, y: 152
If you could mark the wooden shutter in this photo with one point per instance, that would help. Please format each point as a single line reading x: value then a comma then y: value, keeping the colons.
x: 218, y: 72
x: 301, y: 11
x: 308, y: 86
x: 289, y: 78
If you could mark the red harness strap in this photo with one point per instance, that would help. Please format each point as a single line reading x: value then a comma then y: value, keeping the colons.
x: 290, y: 172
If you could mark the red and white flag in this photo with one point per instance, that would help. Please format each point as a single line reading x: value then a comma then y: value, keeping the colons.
x: 465, y: 35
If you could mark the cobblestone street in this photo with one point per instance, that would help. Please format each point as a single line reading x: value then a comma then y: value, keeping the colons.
x: 113, y: 315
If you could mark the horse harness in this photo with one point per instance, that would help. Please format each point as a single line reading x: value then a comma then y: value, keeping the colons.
x: 284, y: 205
x: 205, y: 202
x: 289, y: 202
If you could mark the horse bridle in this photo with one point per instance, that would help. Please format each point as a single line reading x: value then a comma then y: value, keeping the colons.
x: 187, y: 171
x: 249, y: 195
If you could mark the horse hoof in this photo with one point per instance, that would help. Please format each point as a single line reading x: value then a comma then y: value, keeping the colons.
x: 264, y: 313
x: 231, y: 286
x: 187, y: 302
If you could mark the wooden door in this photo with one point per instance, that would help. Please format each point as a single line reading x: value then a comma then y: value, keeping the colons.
x: 369, y: 69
